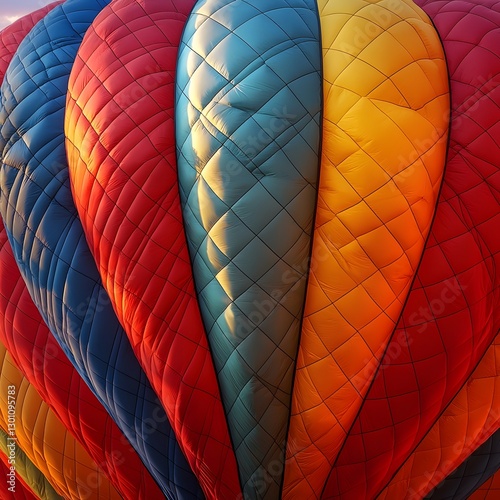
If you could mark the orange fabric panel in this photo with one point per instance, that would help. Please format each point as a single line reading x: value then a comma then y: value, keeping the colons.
x: 384, y: 147
x: 45, y: 440
x: 468, y: 421
x: 21, y: 472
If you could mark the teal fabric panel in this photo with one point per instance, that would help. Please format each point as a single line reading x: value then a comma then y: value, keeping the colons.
x: 248, y: 114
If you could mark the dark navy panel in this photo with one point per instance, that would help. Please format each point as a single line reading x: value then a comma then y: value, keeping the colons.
x: 49, y: 244
x: 473, y: 472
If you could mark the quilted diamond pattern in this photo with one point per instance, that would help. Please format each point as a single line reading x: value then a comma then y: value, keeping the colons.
x: 128, y: 200
x: 30, y: 483
x: 382, y: 319
x: 65, y: 463
x: 490, y: 490
x: 468, y: 421
x: 46, y: 367
x: 451, y: 316
x: 12, y: 35
x: 50, y: 248
x: 248, y: 164
x: 384, y: 144
x: 472, y: 473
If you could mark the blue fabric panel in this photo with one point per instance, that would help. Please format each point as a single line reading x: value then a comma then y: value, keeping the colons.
x: 50, y: 247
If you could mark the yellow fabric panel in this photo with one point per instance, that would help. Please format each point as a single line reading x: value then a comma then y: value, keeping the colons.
x: 46, y: 441
x: 385, y: 127
x: 468, y: 421
x: 24, y: 468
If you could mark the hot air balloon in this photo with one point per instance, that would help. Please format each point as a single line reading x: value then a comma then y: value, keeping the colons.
x: 262, y: 239
x: 44, y: 364
x: 79, y: 320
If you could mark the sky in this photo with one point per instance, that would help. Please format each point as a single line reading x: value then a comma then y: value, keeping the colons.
x: 10, y: 10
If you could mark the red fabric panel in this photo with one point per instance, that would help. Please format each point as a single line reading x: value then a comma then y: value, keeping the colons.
x: 122, y: 156
x: 12, y: 35
x: 42, y: 361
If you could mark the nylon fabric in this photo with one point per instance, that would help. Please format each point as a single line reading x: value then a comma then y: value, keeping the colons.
x: 451, y: 316
x: 265, y: 234
x: 128, y: 201
x: 248, y: 117
x: 489, y: 490
x: 29, y: 482
x: 472, y: 473
x: 65, y: 464
x: 44, y: 364
x: 12, y: 35
x: 47, y: 368
x: 470, y: 420
x: 50, y: 247
x: 384, y: 145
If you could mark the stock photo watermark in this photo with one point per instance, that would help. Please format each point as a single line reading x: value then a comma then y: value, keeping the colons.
x: 11, y: 438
